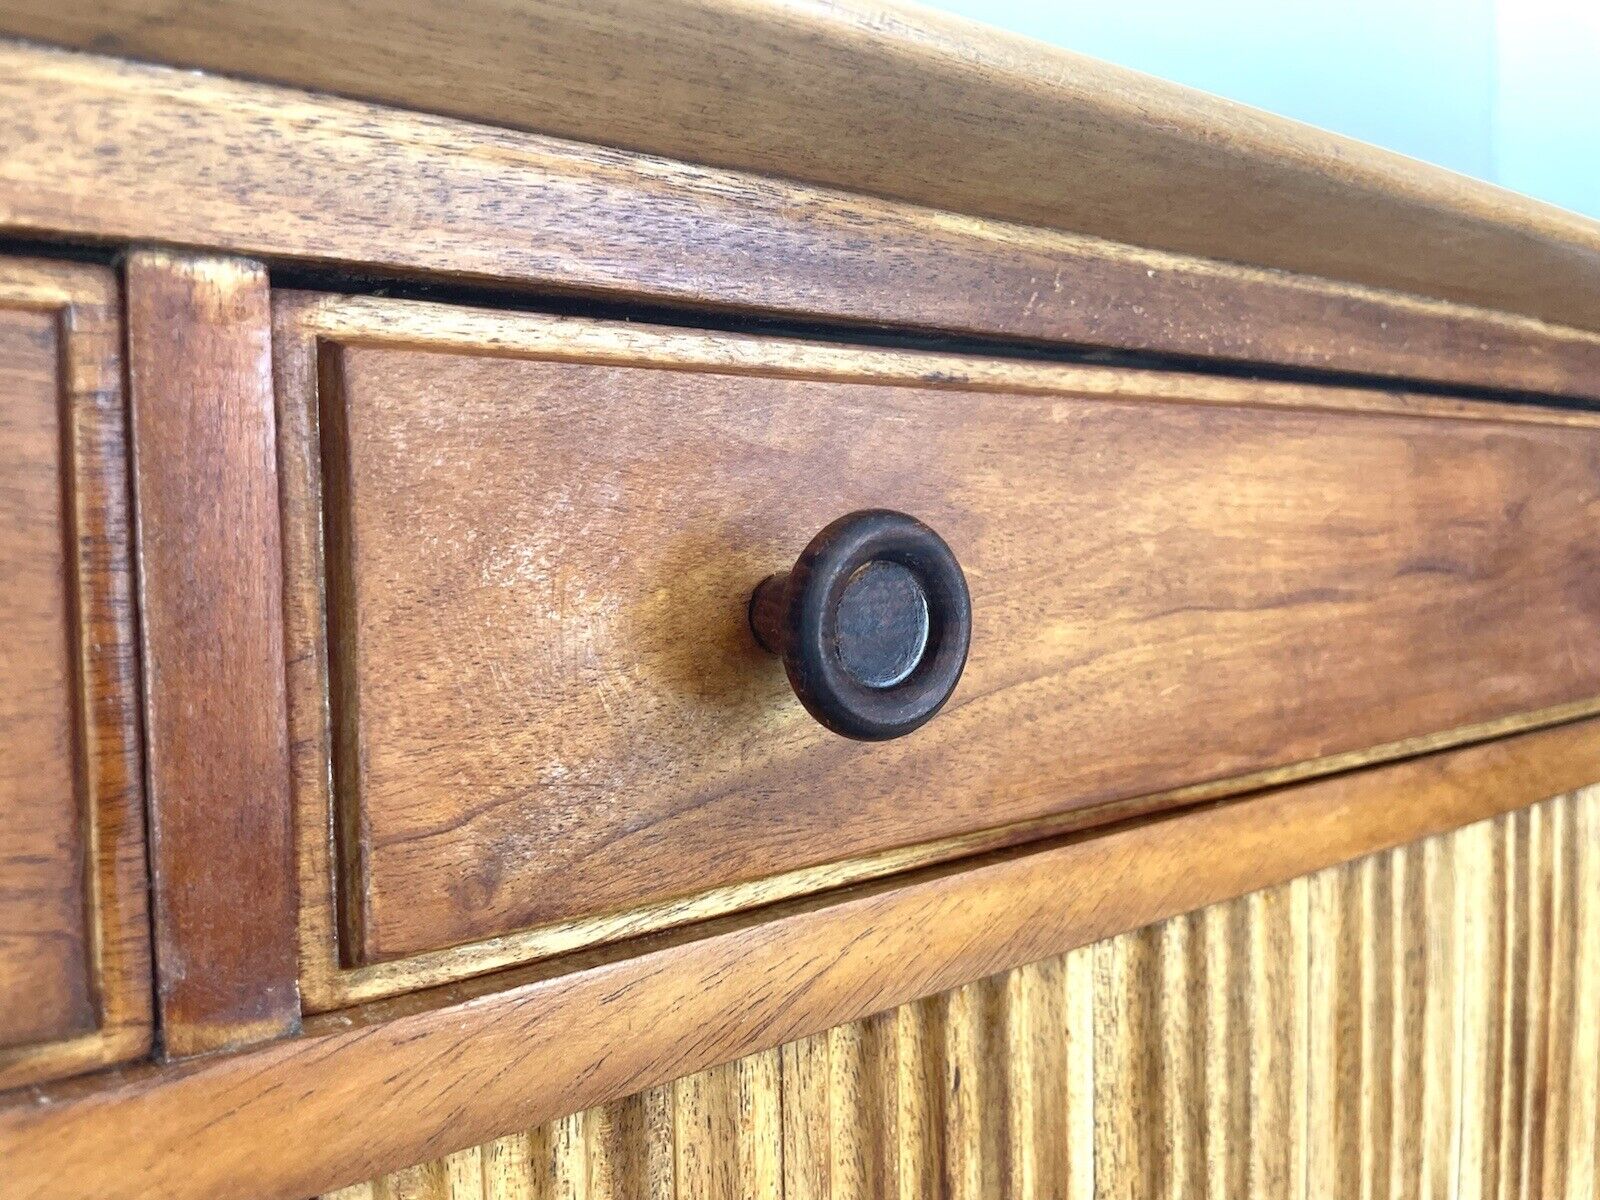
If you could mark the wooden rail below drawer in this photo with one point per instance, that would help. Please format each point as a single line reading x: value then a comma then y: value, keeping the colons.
x: 432, y: 1073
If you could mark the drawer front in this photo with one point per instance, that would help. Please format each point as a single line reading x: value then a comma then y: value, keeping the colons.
x: 44, y: 959
x: 74, y: 963
x: 539, y: 539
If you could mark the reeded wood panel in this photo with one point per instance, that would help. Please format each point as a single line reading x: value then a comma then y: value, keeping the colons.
x: 1423, y: 1022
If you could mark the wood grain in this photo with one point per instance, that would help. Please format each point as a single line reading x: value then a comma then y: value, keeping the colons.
x: 199, y: 349
x: 116, y: 152
x: 44, y: 952
x: 540, y: 538
x: 74, y: 936
x: 1316, y: 1039
x: 433, y: 1073
x: 883, y: 98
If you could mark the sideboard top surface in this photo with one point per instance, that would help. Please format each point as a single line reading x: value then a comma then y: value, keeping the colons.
x: 884, y: 99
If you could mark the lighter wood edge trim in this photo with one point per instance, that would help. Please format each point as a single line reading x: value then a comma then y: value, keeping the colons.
x: 432, y: 326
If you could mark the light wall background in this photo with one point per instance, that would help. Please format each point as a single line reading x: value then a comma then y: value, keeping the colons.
x: 1505, y: 90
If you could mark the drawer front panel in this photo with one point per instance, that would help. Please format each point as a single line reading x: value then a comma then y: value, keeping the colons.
x: 74, y: 950
x: 44, y: 951
x: 541, y: 535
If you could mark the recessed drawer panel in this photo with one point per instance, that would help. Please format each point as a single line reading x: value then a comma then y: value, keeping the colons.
x: 522, y: 550
x: 44, y: 975
x: 74, y: 952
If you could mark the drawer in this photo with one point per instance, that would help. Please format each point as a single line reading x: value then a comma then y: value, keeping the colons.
x: 74, y: 955
x: 528, y: 706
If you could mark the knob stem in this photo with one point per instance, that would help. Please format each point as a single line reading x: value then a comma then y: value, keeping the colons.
x: 766, y: 612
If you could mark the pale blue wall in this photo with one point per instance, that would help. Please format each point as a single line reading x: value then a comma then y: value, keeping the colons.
x: 1507, y: 90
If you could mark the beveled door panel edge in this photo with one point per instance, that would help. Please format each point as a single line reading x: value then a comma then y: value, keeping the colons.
x: 86, y: 304
x: 308, y: 325
x: 294, y: 177
x: 461, y: 1065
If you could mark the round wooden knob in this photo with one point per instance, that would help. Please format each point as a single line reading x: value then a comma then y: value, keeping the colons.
x: 872, y: 623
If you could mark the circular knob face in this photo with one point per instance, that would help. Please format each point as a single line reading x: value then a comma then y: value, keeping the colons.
x: 882, y: 624
x: 873, y: 624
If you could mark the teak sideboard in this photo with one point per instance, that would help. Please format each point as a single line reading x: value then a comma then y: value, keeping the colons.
x: 703, y: 599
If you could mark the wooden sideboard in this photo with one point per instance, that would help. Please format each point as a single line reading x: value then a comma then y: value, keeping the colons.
x: 401, y: 409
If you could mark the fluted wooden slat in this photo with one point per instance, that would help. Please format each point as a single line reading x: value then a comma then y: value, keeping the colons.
x: 1423, y: 1023
x: 1582, y: 1134
x: 1440, y: 1054
x: 509, y: 1169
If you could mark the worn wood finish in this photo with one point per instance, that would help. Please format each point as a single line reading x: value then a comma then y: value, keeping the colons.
x: 431, y: 1073
x: 44, y: 929
x: 1323, y: 1038
x: 74, y: 939
x: 884, y: 98
x: 113, y: 151
x: 541, y: 535
x: 199, y: 350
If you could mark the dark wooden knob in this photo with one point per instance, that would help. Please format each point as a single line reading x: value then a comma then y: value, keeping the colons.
x: 872, y: 622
